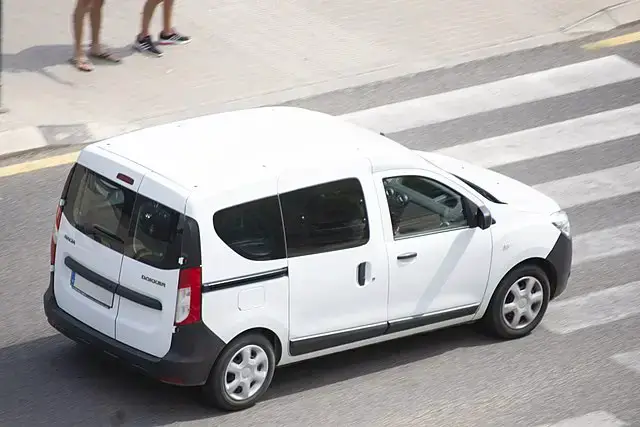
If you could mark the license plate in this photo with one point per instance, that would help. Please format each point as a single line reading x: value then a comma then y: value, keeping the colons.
x: 92, y: 291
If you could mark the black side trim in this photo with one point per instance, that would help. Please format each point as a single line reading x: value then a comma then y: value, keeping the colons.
x: 430, y: 319
x: 309, y: 345
x: 323, y: 342
x: 560, y: 257
x: 139, y: 298
x: 245, y: 280
x: 112, y: 286
x: 194, y: 348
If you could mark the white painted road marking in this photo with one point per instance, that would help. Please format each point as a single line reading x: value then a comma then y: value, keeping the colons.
x: 593, y: 309
x: 593, y: 419
x: 594, y: 186
x: 504, y: 93
x: 606, y: 243
x: 630, y: 360
x: 549, y: 139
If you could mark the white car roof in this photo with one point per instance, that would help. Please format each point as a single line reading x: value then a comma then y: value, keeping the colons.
x: 265, y: 140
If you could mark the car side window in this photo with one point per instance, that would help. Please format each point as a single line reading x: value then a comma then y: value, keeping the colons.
x: 421, y: 205
x: 325, y: 217
x: 253, y: 230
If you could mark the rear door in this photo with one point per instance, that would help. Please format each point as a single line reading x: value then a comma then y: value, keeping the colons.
x: 151, y: 267
x: 91, y: 240
x: 338, y: 269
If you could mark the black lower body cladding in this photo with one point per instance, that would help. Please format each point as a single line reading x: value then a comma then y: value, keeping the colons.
x: 194, y: 348
x: 560, y: 257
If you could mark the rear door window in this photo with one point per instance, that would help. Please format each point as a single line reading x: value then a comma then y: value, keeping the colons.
x: 253, y: 230
x: 99, y: 208
x: 153, y: 234
x: 325, y: 218
x: 125, y: 221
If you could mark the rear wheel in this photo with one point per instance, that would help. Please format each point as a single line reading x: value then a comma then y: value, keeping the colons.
x: 242, y: 373
x: 518, y: 303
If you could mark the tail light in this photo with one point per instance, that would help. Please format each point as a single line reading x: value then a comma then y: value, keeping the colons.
x: 189, y: 303
x: 54, y: 233
x: 56, y: 224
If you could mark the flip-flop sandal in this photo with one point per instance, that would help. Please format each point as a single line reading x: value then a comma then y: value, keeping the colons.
x: 105, y: 56
x: 82, y: 64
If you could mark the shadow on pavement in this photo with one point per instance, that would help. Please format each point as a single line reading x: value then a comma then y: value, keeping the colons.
x: 37, y: 59
x: 54, y: 381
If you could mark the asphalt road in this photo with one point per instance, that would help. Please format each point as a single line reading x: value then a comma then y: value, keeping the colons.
x: 453, y: 377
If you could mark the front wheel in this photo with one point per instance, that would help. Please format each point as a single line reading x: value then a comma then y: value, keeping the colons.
x: 242, y: 373
x: 518, y: 303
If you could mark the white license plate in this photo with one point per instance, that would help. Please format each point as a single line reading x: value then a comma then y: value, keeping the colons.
x: 91, y: 291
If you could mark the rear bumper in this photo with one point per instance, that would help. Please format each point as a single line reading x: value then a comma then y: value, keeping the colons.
x: 560, y: 257
x: 194, y: 348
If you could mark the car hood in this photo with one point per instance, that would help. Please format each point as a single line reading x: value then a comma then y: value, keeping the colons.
x: 507, y: 190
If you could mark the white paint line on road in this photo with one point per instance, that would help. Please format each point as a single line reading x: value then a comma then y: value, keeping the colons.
x: 594, y: 186
x: 593, y: 309
x: 605, y: 243
x: 509, y: 92
x: 549, y: 139
x: 630, y: 360
x: 592, y: 419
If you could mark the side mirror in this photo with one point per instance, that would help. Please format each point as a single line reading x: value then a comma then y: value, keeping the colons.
x: 484, y: 219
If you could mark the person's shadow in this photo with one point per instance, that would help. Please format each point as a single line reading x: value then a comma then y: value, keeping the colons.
x: 37, y: 59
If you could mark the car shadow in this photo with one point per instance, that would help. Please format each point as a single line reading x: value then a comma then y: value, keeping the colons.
x: 54, y: 381
x: 37, y: 59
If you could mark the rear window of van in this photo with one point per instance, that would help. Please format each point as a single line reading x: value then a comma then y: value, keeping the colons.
x: 130, y: 223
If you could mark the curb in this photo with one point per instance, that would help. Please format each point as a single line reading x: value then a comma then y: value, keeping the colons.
x: 606, y: 19
x: 34, y: 138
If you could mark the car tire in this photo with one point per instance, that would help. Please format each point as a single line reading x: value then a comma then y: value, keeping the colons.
x: 507, y: 303
x: 257, y: 373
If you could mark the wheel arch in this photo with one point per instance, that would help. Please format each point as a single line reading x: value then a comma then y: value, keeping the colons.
x: 542, y: 263
x: 270, y: 335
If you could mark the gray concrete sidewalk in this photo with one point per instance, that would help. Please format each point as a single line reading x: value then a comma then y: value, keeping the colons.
x: 251, y: 52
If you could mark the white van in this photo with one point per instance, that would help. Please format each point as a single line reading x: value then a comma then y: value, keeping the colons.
x: 209, y: 251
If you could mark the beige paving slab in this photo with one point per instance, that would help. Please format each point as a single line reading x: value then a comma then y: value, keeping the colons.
x: 252, y: 50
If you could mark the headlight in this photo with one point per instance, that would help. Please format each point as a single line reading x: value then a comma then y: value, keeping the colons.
x: 561, y: 220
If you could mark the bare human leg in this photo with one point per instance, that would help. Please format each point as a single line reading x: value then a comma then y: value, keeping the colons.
x: 167, y: 17
x: 79, y: 59
x: 143, y: 42
x: 169, y: 35
x: 97, y: 51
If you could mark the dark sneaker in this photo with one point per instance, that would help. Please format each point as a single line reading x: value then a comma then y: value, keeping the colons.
x: 174, y: 38
x: 146, y: 45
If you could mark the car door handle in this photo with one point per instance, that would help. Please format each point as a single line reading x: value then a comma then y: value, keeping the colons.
x: 407, y: 255
x: 362, y: 270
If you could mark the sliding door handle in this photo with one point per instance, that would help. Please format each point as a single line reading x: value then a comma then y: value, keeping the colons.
x: 362, y: 273
x: 407, y: 255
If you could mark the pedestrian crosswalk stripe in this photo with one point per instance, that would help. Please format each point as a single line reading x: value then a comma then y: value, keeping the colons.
x: 504, y: 93
x: 592, y: 419
x: 606, y: 243
x: 593, y: 309
x: 630, y: 360
x: 594, y: 186
x: 550, y: 139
